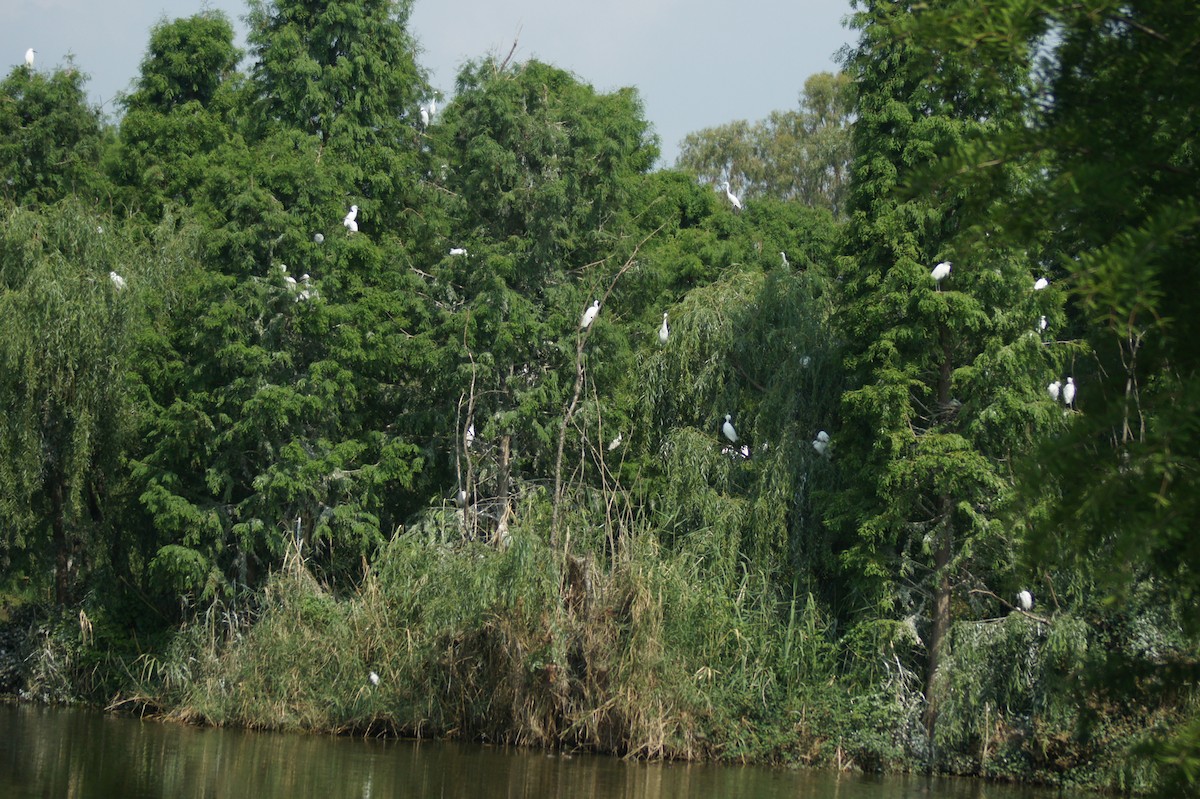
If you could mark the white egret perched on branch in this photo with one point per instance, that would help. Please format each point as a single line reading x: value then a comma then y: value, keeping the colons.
x: 29, y: 54
x: 589, y: 315
x: 664, y: 332
x: 350, y: 220
x: 424, y: 116
x: 783, y: 255
x: 374, y: 678
x: 319, y: 238
x: 1040, y: 284
x: 616, y: 442
x: 1025, y: 600
x: 1068, y: 393
x: 728, y: 430
x: 117, y: 280
x: 821, y: 443
x: 458, y: 251
x: 940, y: 273
x: 1054, y: 389
x: 733, y: 198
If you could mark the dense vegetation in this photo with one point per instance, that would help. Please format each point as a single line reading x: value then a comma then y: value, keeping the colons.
x: 275, y: 470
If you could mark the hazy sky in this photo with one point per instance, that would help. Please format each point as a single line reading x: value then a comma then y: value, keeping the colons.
x: 696, y: 63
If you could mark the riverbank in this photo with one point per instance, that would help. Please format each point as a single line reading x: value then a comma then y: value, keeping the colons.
x: 654, y: 657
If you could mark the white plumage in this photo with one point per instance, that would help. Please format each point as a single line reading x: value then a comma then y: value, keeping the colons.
x: 783, y: 255
x: 664, y: 332
x: 458, y: 251
x: 940, y: 272
x: 424, y: 116
x: 117, y: 280
x: 733, y: 198
x: 374, y: 678
x: 1025, y: 600
x: 29, y: 54
x: 1043, y: 324
x: 350, y: 220
x: 1054, y: 389
x: 616, y: 442
x: 1040, y: 284
x: 1068, y: 393
x: 728, y: 429
x: 470, y: 437
x: 319, y: 238
x: 821, y: 443
x: 589, y: 315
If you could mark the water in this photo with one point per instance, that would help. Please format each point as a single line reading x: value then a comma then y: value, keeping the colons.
x: 56, y: 752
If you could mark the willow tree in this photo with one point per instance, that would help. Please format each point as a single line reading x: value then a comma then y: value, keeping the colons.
x: 946, y: 380
x: 64, y: 387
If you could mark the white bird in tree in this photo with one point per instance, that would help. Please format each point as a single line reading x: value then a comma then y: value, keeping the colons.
x: 733, y: 198
x: 664, y: 332
x: 1068, y: 393
x: 432, y: 106
x: 458, y: 251
x: 940, y: 273
x: 1043, y: 324
x: 319, y: 238
x: 616, y: 442
x: 783, y: 255
x: 1054, y: 389
x: 350, y: 220
x: 1040, y: 284
x: 589, y: 315
x: 29, y: 54
x: 117, y: 280
x: 728, y: 430
x: 1025, y: 601
x: 424, y: 116
x: 374, y: 678
x: 821, y: 443
x: 470, y: 437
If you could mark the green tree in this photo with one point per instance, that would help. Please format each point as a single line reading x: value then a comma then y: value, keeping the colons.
x: 180, y: 112
x: 946, y: 381
x: 64, y: 387
x: 50, y: 138
x: 801, y: 155
x: 1113, y: 122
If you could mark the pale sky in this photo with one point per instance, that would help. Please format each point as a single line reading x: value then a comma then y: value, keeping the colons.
x: 696, y: 63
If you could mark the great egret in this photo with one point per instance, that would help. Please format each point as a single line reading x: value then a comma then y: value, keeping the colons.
x: 117, y: 280
x: 1040, y: 284
x: 728, y: 430
x: 733, y: 199
x: 1054, y: 388
x: 1068, y: 393
x: 374, y: 678
x: 461, y: 498
x: 458, y: 251
x: 1025, y: 600
x: 470, y: 437
x: 821, y: 443
x: 305, y: 293
x: 616, y: 442
x: 783, y: 255
x: 350, y: 220
x: 940, y: 272
x: 432, y: 106
x: 1042, y: 323
x: 589, y: 315
x: 319, y: 237
x: 424, y: 116
x: 29, y: 54
x: 664, y: 332
x: 806, y: 361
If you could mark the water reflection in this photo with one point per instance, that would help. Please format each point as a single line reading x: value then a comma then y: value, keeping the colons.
x: 80, y: 753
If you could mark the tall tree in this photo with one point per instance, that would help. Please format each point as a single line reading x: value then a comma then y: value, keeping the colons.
x: 946, y: 378
x: 50, y: 138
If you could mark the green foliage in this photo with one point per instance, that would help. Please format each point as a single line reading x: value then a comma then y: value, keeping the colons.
x: 50, y: 139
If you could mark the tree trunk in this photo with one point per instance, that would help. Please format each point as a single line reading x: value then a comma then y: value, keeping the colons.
x: 941, y: 556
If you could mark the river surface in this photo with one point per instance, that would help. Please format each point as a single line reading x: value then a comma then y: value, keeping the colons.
x: 63, y: 752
